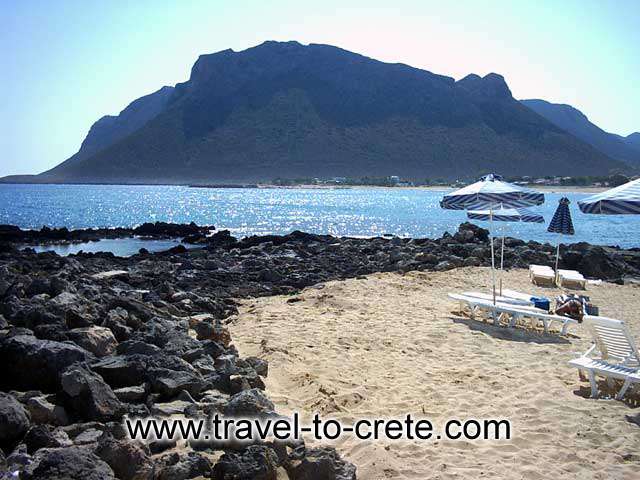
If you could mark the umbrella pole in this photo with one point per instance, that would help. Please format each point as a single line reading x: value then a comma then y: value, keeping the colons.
x: 557, y: 260
x: 501, y: 264
x: 493, y: 262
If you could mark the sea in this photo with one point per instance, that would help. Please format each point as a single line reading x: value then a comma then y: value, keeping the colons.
x: 358, y: 212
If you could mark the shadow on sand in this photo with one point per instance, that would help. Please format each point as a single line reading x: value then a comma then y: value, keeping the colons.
x: 511, y: 334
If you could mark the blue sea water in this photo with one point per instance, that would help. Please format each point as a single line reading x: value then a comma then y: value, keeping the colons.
x: 348, y: 211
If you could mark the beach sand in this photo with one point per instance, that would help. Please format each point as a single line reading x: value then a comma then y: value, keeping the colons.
x: 388, y: 344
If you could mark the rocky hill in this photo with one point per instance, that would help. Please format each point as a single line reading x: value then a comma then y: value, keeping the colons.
x: 289, y: 110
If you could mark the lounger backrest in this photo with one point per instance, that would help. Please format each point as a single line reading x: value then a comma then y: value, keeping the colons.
x: 571, y: 274
x: 540, y: 268
x: 613, y: 339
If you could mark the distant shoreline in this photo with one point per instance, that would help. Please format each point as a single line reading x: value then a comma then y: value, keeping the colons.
x: 442, y: 188
x: 434, y: 188
x: 569, y: 189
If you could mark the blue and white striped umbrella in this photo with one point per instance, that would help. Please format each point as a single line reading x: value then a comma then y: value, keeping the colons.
x: 561, y: 221
x: 505, y: 215
x: 492, y: 190
x: 492, y: 193
x: 622, y: 200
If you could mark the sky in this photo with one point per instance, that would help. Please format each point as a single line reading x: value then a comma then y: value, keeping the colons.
x: 64, y: 64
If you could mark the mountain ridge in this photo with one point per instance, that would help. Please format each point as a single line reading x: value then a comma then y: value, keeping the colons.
x: 284, y: 109
x: 578, y: 124
x: 632, y: 140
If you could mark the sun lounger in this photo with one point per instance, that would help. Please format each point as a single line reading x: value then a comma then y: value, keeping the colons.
x: 542, y: 275
x: 513, y: 312
x: 517, y: 295
x: 571, y: 279
x: 618, y: 354
x: 540, y: 302
x: 500, y: 298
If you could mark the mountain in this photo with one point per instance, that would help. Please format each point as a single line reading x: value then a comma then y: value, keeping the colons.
x: 289, y: 110
x: 633, y: 140
x: 110, y: 129
x: 576, y: 123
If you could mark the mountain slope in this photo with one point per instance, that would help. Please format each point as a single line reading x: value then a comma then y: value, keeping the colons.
x: 288, y: 110
x: 110, y: 129
x: 577, y: 123
x: 633, y: 140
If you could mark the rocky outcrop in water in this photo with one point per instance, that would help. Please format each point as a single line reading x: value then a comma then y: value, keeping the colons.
x: 88, y: 338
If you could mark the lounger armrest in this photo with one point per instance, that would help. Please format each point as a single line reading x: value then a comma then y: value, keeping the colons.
x: 590, y: 351
x: 630, y: 361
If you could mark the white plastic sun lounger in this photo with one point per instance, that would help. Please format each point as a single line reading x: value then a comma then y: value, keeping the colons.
x: 515, y: 312
x: 571, y: 279
x: 618, y: 354
x: 519, y: 295
x: 500, y: 298
x: 542, y: 275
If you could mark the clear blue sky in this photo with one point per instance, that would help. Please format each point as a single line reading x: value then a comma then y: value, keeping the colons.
x: 64, y: 64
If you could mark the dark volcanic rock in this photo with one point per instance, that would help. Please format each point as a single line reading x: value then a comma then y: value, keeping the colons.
x: 14, y: 420
x: 172, y: 230
x: 43, y: 411
x: 97, y: 340
x: 597, y: 263
x: 182, y: 466
x: 89, y: 395
x: 131, y: 394
x: 46, y: 235
x: 156, y: 311
x: 122, y: 371
x: 43, y: 436
x: 260, y: 366
x: 171, y: 382
x: 249, y: 403
x: 255, y: 462
x: 168, y: 374
x: 68, y: 463
x: 322, y: 463
x: 128, y: 460
x: 33, y: 364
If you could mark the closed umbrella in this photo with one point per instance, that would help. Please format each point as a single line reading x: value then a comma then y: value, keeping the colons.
x: 561, y: 223
x: 622, y: 200
x: 505, y: 215
x: 493, y: 193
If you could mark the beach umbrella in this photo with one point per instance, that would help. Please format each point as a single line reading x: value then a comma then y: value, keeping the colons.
x: 622, y: 200
x: 505, y: 215
x: 492, y: 193
x: 561, y: 223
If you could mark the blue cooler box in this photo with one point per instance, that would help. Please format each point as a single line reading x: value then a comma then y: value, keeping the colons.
x: 541, y: 302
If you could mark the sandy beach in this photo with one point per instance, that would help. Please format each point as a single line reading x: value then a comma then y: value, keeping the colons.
x: 389, y: 344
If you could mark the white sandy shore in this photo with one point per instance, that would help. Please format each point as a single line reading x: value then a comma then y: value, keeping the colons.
x: 389, y: 344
